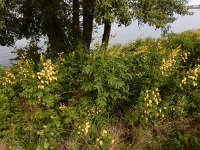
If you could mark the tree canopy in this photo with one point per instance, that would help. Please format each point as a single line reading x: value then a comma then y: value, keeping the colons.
x: 1, y: 8
x: 67, y: 23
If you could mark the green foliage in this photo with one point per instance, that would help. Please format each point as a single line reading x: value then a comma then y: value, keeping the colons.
x: 75, y: 101
x: 1, y: 18
x: 182, y: 141
x: 189, y: 42
x: 158, y: 13
x: 39, y: 18
x: 118, y: 11
x: 105, y: 79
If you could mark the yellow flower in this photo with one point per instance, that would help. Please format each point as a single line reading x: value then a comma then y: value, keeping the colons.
x: 112, y: 141
x: 194, y: 83
x: 101, y: 142
x: 148, y: 112
x: 156, y: 102
x: 192, y: 77
x: 86, y: 131
x: 87, y: 123
x: 40, y: 87
x: 150, y: 101
x: 104, y: 132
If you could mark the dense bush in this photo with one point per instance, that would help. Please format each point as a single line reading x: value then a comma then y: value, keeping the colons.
x: 144, y: 95
x: 189, y: 42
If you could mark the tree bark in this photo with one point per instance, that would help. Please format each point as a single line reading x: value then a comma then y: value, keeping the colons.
x: 76, y: 22
x: 106, y: 34
x: 56, y: 35
x: 53, y: 27
x: 88, y: 16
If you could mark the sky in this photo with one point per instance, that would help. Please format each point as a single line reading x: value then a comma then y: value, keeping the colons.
x: 194, y: 2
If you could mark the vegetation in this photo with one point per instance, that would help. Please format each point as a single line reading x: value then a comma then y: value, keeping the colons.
x: 1, y: 8
x: 59, y: 20
x: 144, y: 95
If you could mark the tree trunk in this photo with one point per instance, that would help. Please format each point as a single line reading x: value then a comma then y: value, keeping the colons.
x: 88, y: 16
x: 56, y: 35
x: 76, y: 22
x: 106, y: 34
x: 53, y: 27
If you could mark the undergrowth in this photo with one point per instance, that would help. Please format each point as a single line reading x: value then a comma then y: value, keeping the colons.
x: 144, y: 95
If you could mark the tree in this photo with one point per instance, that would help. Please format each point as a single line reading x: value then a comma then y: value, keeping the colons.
x: 88, y: 17
x: 52, y: 24
x: 157, y: 13
x: 1, y: 8
x: 60, y: 21
x: 34, y: 19
x: 76, y: 21
x: 109, y: 11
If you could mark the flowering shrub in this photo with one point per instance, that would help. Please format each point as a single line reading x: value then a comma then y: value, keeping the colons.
x: 47, y: 74
x: 152, y: 110
x: 9, y: 78
x: 71, y: 102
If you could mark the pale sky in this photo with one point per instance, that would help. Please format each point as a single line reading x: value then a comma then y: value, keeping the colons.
x: 194, y: 2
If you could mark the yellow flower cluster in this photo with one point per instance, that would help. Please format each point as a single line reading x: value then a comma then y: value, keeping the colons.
x: 141, y: 49
x: 9, y: 78
x: 104, y: 132
x: 23, y: 72
x: 25, y: 69
x: 61, y: 56
x: 104, y: 136
x: 63, y: 107
x: 115, y: 53
x: 168, y: 63
x: 151, y: 105
x: 84, y: 129
x: 93, y: 111
x: 159, y: 45
x: 178, y: 108
x: 99, y: 141
x: 191, y: 76
x: 184, y: 56
x: 47, y: 74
